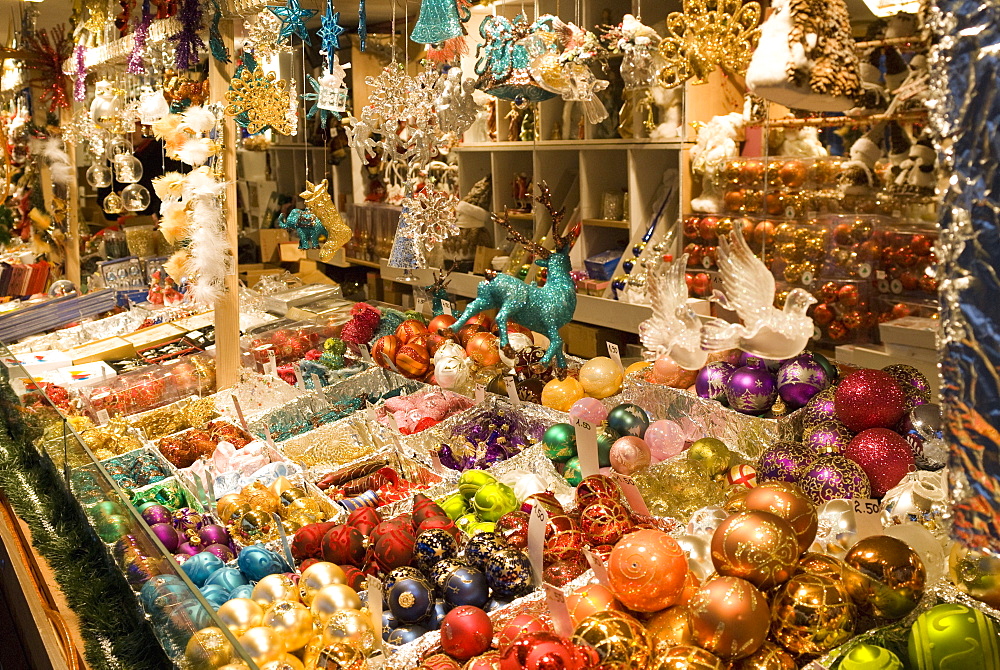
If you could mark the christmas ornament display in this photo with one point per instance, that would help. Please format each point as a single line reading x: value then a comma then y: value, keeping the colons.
x: 870, y: 656
x: 949, y: 629
x: 620, y: 642
x: 887, y: 579
x: 833, y: 476
x: 646, y: 570
x: 729, y: 617
x: 883, y: 455
x: 812, y: 614
x: 757, y: 546
x: 869, y: 399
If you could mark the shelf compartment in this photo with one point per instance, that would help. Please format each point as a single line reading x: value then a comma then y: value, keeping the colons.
x: 606, y: 223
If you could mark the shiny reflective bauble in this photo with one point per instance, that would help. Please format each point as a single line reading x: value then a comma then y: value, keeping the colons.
x: 768, y: 657
x: 786, y: 501
x: 208, y: 649
x: 350, y: 627
x: 240, y: 615
x: 620, y: 641
x: 432, y: 546
x: 494, y: 500
x: 833, y: 476
x: 601, y: 377
x: 628, y: 419
x: 590, y: 599
x: 686, y: 657
x: 729, y: 617
x: 273, y: 588
x: 629, y: 454
x: 559, y: 442
x: 812, y: 614
x: 976, y: 573
x: 135, y: 198
x: 293, y: 622
x: 262, y: 644
x: 332, y: 599
x: 99, y: 175
x: 561, y: 394
x: 710, y: 454
x: 317, y: 576
x: 646, y: 570
x: 948, y: 632
x: 479, y: 551
x: 755, y: 546
x: 542, y: 650
x: 509, y: 573
x: 699, y: 554
x: 887, y: 579
x: 335, y: 656
x: 112, y: 204
x: 128, y: 169
x: 869, y: 657
x: 669, y: 628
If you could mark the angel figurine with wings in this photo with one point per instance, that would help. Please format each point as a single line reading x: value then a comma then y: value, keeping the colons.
x: 674, y: 330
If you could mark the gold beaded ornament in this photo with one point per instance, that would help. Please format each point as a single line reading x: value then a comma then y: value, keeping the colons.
x: 338, y: 233
x: 708, y: 33
x: 263, y: 98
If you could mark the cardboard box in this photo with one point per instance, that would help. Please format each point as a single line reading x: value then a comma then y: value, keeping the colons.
x: 250, y: 273
x: 150, y: 337
x: 86, y: 374
x: 108, y: 349
x: 196, y: 322
x: 289, y: 252
x: 268, y: 240
x: 589, y: 341
x: 911, y: 331
x: 35, y: 363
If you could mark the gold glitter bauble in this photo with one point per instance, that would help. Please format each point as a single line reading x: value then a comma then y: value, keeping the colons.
x: 285, y: 662
x: 293, y: 621
x: 812, y: 615
x: 787, y: 501
x: 686, y: 657
x: 208, y: 649
x: 260, y: 497
x: 669, y: 628
x: 755, y: 546
x: 710, y: 454
x: 331, y: 599
x: 620, y: 641
x: 262, y: 644
x: 351, y: 627
x: 887, y: 577
x: 769, y: 657
x: 240, y: 614
x: 272, y: 588
x: 334, y: 657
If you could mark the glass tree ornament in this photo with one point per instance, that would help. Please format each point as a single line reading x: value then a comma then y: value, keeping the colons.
x: 128, y: 169
x: 113, y: 203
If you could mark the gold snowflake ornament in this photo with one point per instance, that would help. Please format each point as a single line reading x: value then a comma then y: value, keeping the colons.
x: 708, y: 33
x: 264, y: 100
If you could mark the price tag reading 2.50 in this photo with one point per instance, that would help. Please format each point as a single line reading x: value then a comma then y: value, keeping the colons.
x: 866, y: 517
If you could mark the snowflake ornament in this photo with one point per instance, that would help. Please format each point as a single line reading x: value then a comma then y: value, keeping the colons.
x: 431, y: 216
x: 262, y: 36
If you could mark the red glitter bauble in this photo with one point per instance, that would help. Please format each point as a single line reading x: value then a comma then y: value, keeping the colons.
x: 308, y: 540
x: 409, y: 329
x: 869, y: 399
x: 466, y: 631
x: 883, y: 455
x: 605, y: 521
x: 522, y: 623
x: 597, y: 487
x: 563, y: 572
x: 344, y: 544
x: 544, y: 651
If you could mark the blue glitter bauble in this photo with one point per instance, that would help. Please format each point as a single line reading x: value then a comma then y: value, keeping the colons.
x: 481, y: 548
x: 466, y: 586
x: 432, y: 546
x: 256, y: 562
x: 405, y: 634
x: 227, y: 578
x: 411, y: 600
x: 509, y: 573
x: 200, y: 567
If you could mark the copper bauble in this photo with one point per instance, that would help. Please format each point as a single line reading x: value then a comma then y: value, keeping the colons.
x: 620, y: 641
x: 590, y: 599
x: 686, y: 657
x: 413, y: 360
x: 484, y: 349
x: 729, y: 617
x: 787, y: 501
x: 646, y: 570
x: 669, y: 628
x: 755, y: 546
x: 384, y: 351
x: 887, y: 579
x: 769, y: 657
x: 822, y: 564
x: 812, y: 614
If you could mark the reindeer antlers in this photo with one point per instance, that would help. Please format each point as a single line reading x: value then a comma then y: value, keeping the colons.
x: 516, y: 236
x: 440, y: 279
x: 545, y: 199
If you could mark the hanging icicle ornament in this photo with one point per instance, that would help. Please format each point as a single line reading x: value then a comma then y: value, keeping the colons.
x: 503, y: 62
x: 187, y: 38
x: 293, y: 19
x: 362, y: 25
x: 262, y: 36
x: 439, y: 26
x: 80, y: 72
x: 141, y: 35
x: 329, y: 35
x: 431, y: 217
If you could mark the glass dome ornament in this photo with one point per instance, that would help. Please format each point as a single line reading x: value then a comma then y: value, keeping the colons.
x: 135, y: 198
x: 128, y: 169
x: 99, y: 175
x: 112, y: 203
x: 118, y: 146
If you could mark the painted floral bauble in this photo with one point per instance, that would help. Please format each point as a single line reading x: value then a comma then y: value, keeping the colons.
x: 344, y: 545
x: 589, y: 409
x: 605, y: 522
x: 646, y: 570
x: 590, y: 599
x: 484, y: 349
x: 800, y: 379
x: 561, y: 394
x: 601, y: 377
x: 620, y: 642
x: 394, y: 550
x: 950, y: 631
x: 833, y: 476
x: 597, y: 487
x: 870, y: 657
x: 729, y: 617
x: 751, y: 390
x: 629, y: 454
x: 711, y: 380
x: 559, y: 442
x: 665, y: 439
x: 628, y: 419
x: 756, y: 546
x: 812, y: 614
x: 786, y: 501
x: 820, y: 408
x: 869, y: 399
x: 888, y: 577
x: 883, y: 455
x: 784, y: 461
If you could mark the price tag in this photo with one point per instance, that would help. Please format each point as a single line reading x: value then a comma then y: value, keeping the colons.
x: 269, y: 438
x: 631, y: 491
x: 867, y: 514
x: 586, y: 447
x: 375, y: 606
x: 597, y: 565
x: 480, y: 394
x: 420, y: 304
x: 102, y: 417
x: 447, y: 307
x: 271, y: 367
x: 436, y: 462
x: 388, y: 361
x: 239, y: 413
x: 370, y: 411
x: 317, y: 385
x: 512, y: 391
x: 536, y: 541
x: 365, y: 354
x: 300, y: 383
x: 615, y: 354
x: 392, y: 421
x: 555, y: 598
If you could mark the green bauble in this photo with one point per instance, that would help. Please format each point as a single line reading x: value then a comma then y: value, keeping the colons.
x: 560, y: 442
x: 628, y: 419
x: 463, y: 522
x: 824, y: 362
x: 494, y: 500
x: 870, y: 657
x: 472, y: 480
x: 572, y: 471
x: 710, y: 454
x: 480, y: 527
x: 106, y: 508
x: 145, y: 504
x: 112, y: 527
x: 606, y: 436
x: 954, y: 637
x: 455, y: 506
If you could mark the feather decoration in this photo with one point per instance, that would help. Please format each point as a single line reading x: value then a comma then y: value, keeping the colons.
x: 176, y: 265
x: 53, y: 152
x: 169, y: 186
x: 173, y: 221
x: 196, y: 151
x: 166, y: 125
x: 199, y: 119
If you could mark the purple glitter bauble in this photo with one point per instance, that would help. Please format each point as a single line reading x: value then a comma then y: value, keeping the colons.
x: 188, y: 548
x: 819, y: 409
x: 784, y: 461
x: 800, y: 379
x: 827, y: 437
x: 214, y: 534
x: 156, y: 514
x: 711, y: 380
x: 832, y: 476
x: 186, y: 519
x: 166, y: 534
x: 222, y: 551
x: 913, y: 382
x: 751, y: 390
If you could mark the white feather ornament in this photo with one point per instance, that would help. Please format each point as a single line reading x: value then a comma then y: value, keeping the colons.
x: 196, y: 151
x: 199, y: 119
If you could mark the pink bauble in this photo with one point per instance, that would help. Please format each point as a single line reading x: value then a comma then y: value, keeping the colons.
x: 665, y: 439
x: 629, y: 454
x: 666, y: 371
x: 589, y: 409
x: 883, y: 455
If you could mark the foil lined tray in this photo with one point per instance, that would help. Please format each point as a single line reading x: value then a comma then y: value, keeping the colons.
x: 331, y: 445
x: 373, y: 382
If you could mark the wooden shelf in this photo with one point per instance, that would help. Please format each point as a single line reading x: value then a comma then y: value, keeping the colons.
x: 570, y: 145
x: 518, y: 216
x: 358, y: 261
x: 606, y: 223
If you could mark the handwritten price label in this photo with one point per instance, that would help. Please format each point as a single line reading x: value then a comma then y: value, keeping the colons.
x: 512, y: 391
x: 632, y: 494
x: 536, y: 541
x: 866, y: 516
x: 555, y: 598
x: 480, y: 394
x: 447, y: 307
x: 420, y: 304
x: 597, y: 565
x: 366, y: 355
x: 102, y: 417
x: 586, y: 447
x: 615, y: 354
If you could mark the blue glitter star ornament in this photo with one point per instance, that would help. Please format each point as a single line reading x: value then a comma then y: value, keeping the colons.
x: 293, y: 19
x: 362, y: 24
x: 329, y: 34
x: 314, y: 97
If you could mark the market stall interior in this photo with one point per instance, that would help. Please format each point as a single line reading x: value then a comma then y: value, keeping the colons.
x: 441, y: 334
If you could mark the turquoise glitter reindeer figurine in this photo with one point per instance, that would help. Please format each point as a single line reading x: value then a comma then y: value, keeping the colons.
x: 544, y: 309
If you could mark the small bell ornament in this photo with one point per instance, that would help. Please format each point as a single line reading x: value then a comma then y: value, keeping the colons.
x: 440, y: 27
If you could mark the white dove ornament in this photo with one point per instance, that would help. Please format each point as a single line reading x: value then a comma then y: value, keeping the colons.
x: 766, y: 331
x: 674, y: 329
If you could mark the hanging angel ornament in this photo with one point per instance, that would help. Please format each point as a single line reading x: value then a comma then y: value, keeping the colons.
x: 674, y: 330
x: 456, y: 107
x: 106, y: 105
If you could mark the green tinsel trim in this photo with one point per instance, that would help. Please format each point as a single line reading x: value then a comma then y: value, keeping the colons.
x: 115, y: 634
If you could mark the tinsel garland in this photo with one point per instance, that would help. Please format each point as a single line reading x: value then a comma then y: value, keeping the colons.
x: 115, y: 636
x: 135, y: 64
x: 188, y: 40
x: 80, y: 85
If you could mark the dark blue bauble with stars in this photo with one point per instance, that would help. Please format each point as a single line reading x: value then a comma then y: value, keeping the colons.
x: 405, y: 634
x: 437, y: 614
x: 628, y: 419
x: 466, y: 586
x: 389, y: 622
x: 411, y: 600
x: 432, y: 546
x: 509, y: 573
x: 399, y: 573
x: 441, y: 570
x: 495, y: 604
x: 481, y: 548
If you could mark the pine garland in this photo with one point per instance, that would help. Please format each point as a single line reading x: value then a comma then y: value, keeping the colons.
x: 115, y: 634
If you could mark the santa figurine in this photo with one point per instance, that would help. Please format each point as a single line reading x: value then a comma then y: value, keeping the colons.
x: 171, y: 296
x: 155, y: 295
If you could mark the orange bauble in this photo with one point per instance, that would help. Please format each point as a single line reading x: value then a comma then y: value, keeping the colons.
x: 410, y: 329
x: 647, y: 570
x: 440, y: 322
x: 466, y: 332
x: 385, y: 347
x: 590, y: 599
x: 755, y: 546
x: 420, y: 341
x: 691, y: 586
x: 413, y: 360
x: 666, y: 371
x: 560, y: 395
x: 511, y: 329
x: 729, y: 617
x: 434, y: 342
x: 670, y: 627
x: 484, y: 349
x: 484, y: 321
x: 786, y: 500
